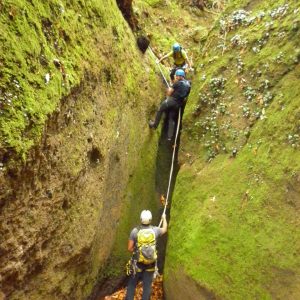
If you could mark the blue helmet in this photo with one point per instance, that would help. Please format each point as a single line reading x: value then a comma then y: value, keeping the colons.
x: 176, y: 47
x: 180, y: 72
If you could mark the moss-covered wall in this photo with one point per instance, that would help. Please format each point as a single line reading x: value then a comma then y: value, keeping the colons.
x: 77, y: 163
x: 234, y: 230
x: 75, y: 97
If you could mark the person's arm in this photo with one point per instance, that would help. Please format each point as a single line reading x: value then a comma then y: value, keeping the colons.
x: 164, y: 224
x: 130, y: 246
x: 164, y: 57
x: 131, y: 240
x: 170, y: 91
x: 184, y: 54
x: 172, y: 88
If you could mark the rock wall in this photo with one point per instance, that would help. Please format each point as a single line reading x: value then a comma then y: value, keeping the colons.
x: 234, y: 230
x: 62, y: 198
x: 127, y: 11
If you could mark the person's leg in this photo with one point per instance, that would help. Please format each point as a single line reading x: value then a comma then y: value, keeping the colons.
x: 163, y: 107
x: 169, y: 103
x: 171, y: 123
x: 147, y: 278
x: 133, y: 280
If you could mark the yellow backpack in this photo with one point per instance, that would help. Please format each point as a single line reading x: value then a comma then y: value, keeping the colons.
x: 146, y: 246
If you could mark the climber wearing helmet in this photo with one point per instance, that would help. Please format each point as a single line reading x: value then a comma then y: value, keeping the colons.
x: 176, y: 98
x: 142, y: 243
x: 180, y: 59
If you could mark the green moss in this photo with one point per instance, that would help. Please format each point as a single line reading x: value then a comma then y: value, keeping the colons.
x: 238, y: 238
x: 58, y: 40
x: 155, y: 3
x: 235, y: 218
x: 173, y: 23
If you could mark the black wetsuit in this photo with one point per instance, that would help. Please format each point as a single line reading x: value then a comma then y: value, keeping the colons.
x: 173, y: 103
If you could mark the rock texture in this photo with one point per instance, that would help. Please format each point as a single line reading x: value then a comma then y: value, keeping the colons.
x: 127, y: 11
x: 61, y: 204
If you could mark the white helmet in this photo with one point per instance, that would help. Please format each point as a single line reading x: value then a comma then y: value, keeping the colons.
x: 146, y: 217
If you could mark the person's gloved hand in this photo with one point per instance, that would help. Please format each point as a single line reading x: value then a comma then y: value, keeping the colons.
x: 157, y: 61
x: 163, y: 216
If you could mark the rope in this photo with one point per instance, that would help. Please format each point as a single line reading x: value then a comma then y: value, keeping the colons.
x: 175, y: 142
x: 160, y: 69
x: 172, y: 164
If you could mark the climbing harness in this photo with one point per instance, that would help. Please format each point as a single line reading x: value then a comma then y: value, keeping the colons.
x: 132, y: 268
x: 156, y: 273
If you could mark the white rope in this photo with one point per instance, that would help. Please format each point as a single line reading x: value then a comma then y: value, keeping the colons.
x: 160, y: 69
x: 172, y: 164
x: 175, y: 142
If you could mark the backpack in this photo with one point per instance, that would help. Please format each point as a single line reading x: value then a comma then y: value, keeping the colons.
x: 146, y: 246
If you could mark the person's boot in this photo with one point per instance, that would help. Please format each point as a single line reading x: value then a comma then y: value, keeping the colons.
x: 152, y: 124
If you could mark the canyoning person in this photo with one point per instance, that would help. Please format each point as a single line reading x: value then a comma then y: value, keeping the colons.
x: 176, y: 98
x: 180, y: 57
x: 142, y: 243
